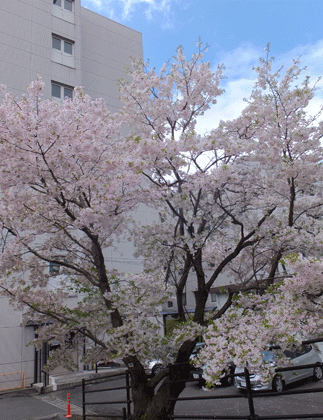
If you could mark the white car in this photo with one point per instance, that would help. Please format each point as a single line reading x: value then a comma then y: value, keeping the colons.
x: 304, y: 355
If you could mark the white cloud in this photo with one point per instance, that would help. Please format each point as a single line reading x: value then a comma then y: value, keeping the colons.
x: 241, y: 78
x: 123, y: 9
x: 96, y: 4
x: 229, y: 105
x: 239, y: 62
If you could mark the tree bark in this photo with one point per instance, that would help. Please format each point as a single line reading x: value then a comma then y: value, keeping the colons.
x: 159, y: 405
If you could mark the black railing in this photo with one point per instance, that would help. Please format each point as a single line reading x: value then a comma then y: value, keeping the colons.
x: 250, y: 395
x: 89, y: 387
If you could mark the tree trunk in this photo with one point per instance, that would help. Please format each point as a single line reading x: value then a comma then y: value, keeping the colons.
x: 142, y: 394
x: 150, y: 405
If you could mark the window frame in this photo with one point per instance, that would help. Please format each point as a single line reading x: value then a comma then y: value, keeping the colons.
x: 62, y: 43
x: 62, y: 4
x: 62, y: 87
x: 213, y: 296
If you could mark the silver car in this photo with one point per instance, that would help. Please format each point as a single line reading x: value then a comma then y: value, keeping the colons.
x: 153, y: 367
x: 304, y: 355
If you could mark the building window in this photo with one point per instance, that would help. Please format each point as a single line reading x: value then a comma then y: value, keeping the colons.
x: 66, y: 4
x: 184, y: 299
x: 161, y: 218
x: 54, y: 268
x: 60, y: 91
x: 169, y: 304
x: 213, y: 296
x: 55, y: 265
x: 62, y: 45
x: 63, y: 51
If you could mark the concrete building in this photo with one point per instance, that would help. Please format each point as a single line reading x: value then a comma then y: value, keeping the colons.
x: 67, y: 45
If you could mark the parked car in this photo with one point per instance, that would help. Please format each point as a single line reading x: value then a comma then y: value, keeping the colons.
x: 107, y: 363
x: 225, y: 378
x: 153, y: 367
x: 197, y: 373
x: 304, y: 355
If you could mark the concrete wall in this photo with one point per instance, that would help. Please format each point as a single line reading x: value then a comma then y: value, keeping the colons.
x: 14, y: 355
x: 107, y: 49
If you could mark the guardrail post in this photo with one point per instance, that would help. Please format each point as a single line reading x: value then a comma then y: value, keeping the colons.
x: 249, y: 395
x: 128, y: 394
x: 83, y: 399
x: 45, y: 378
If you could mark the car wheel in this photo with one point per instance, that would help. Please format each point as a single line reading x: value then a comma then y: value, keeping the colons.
x: 156, y: 369
x: 317, y: 373
x: 201, y: 382
x: 228, y: 380
x: 278, y: 384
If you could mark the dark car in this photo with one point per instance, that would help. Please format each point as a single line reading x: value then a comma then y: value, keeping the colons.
x: 225, y: 378
x: 197, y: 373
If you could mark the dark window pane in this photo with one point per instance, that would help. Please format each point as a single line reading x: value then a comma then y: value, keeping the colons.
x: 68, y: 5
x: 56, y: 91
x: 184, y: 299
x: 57, y: 2
x: 68, y: 47
x: 54, y: 268
x: 56, y: 43
x: 68, y: 92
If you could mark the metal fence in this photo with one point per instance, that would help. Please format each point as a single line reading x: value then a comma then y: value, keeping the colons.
x: 250, y: 395
x: 106, y: 384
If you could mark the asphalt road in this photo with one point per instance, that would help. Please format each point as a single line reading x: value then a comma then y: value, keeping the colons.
x: 216, y: 402
x: 27, y: 405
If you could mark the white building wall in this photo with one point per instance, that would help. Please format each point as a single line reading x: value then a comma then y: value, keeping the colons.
x: 15, y: 356
x: 107, y: 49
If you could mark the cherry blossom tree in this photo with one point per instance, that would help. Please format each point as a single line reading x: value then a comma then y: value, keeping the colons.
x: 67, y: 189
x: 235, y: 201
x: 237, y: 198
x: 281, y: 317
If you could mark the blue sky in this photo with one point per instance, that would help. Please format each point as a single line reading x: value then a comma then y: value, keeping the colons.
x: 236, y: 30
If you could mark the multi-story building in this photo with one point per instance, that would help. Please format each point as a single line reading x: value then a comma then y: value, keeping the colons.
x: 67, y: 45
